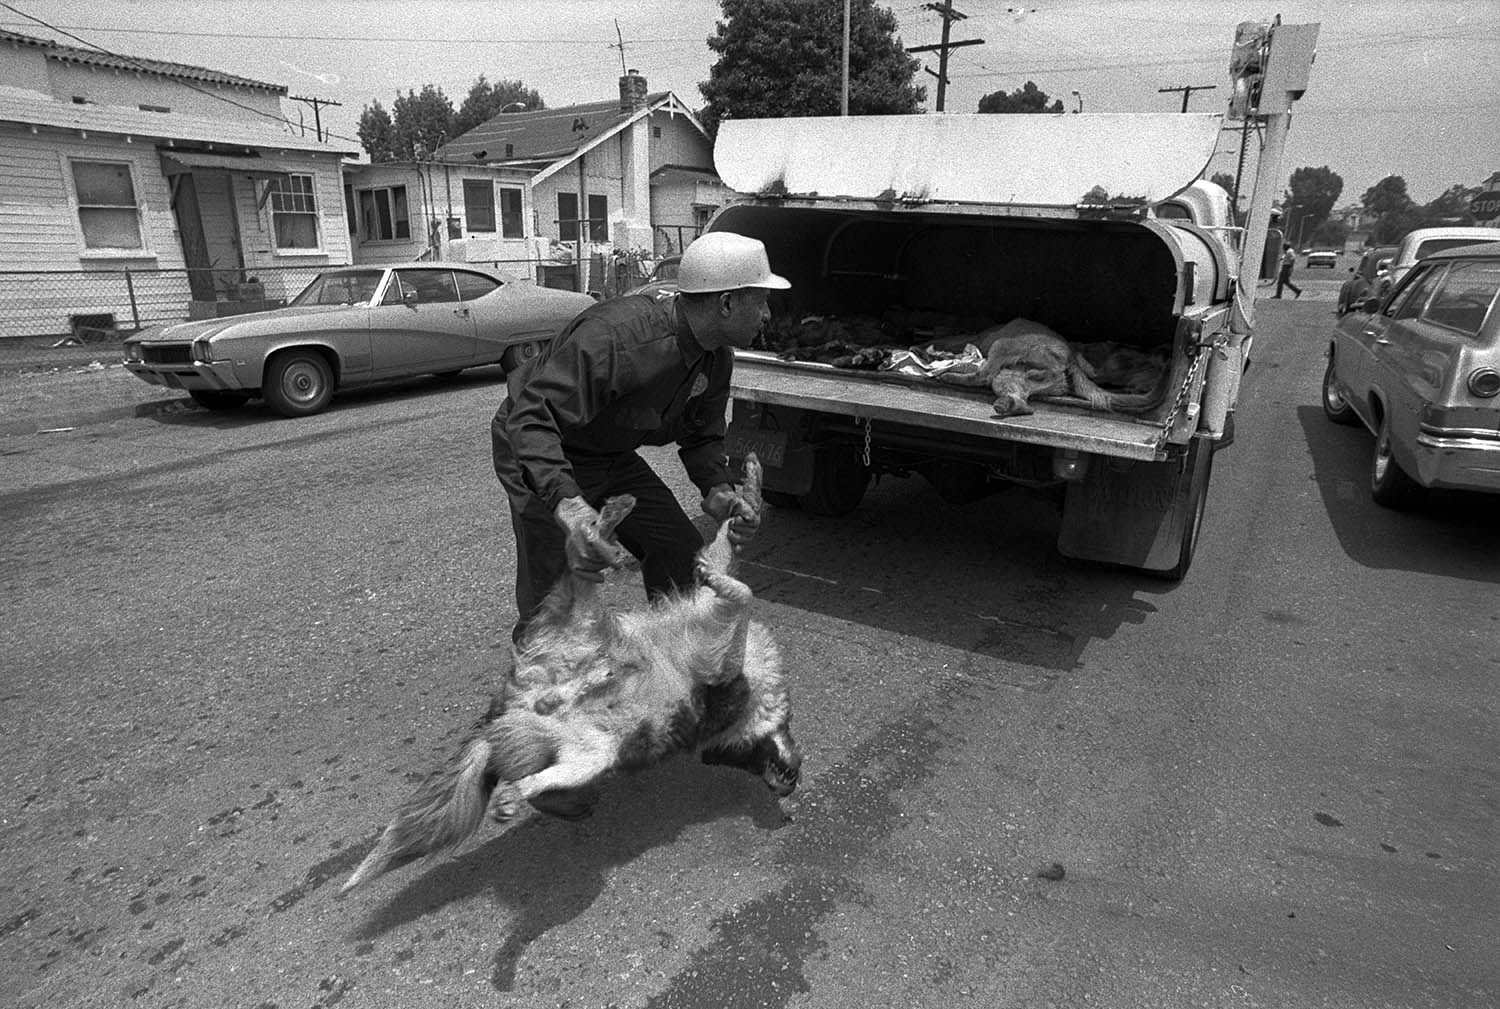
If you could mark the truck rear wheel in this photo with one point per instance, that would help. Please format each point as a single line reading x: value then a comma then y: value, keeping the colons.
x: 1200, y: 468
x: 840, y: 477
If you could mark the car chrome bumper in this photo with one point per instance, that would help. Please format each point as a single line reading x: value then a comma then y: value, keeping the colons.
x: 215, y: 375
x: 1469, y: 460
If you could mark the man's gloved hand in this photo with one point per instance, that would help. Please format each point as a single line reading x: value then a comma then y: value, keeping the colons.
x: 588, y: 552
x: 725, y: 504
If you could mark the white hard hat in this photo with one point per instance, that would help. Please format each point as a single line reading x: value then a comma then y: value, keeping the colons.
x: 724, y: 261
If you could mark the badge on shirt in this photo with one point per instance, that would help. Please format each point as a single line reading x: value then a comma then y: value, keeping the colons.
x: 700, y: 386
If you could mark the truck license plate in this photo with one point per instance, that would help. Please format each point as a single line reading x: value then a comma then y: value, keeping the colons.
x: 768, y: 446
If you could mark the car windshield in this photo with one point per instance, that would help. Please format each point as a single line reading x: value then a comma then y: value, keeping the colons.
x: 352, y: 288
x: 1432, y: 245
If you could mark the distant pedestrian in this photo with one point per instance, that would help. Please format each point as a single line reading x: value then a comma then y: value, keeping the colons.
x: 1284, y: 278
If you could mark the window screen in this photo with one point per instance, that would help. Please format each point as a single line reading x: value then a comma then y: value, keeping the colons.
x: 107, y: 212
x: 567, y: 217
x: 294, y: 212
x: 511, y: 224
x: 479, y: 205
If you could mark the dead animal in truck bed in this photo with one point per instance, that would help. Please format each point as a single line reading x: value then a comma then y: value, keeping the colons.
x: 595, y: 691
x: 1023, y: 359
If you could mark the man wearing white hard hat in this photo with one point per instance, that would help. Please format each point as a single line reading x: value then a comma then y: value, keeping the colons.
x: 641, y: 370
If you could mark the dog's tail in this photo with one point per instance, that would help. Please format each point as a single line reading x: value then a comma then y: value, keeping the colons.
x: 450, y: 804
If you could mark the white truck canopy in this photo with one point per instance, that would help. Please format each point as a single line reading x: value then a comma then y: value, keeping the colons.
x: 1051, y: 164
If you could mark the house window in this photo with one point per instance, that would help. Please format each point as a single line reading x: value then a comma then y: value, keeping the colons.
x: 384, y: 214
x: 294, y: 212
x: 567, y: 217
x: 598, y: 218
x: 107, y: 210
x: 479, y: 204
x: 511, y: 225
x: 349, y: 210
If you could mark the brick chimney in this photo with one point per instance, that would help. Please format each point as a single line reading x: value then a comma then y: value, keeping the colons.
x: 632, y: 92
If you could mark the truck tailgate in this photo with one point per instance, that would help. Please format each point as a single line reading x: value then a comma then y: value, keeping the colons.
x: 763, y: 378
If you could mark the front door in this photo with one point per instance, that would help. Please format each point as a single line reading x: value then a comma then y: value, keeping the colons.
x: 194, y: 245
x: 421, y: 325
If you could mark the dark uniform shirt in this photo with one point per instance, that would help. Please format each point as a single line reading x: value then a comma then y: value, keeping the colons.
x: 624, y: 373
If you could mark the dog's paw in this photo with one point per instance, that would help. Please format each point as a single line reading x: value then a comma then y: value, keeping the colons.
x: 505, y: 804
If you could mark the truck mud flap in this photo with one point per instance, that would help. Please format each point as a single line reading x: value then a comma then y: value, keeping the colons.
x: 1144, y: 515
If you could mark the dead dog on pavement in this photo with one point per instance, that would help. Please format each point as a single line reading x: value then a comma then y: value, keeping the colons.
x: 595, y: 691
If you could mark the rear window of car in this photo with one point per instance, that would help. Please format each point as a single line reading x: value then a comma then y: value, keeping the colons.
x: 1465, y: 296
x: 1409, y: 302
x: 474, y: 285
x: 1432, y: 245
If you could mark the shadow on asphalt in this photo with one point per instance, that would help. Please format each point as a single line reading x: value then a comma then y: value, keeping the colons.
x: 1006, y: 591
x: 1453, y: 533
x: 422, y: 387
x: 547, y: 872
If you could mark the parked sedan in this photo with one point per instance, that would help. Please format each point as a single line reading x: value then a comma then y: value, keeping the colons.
x: 1422, y: 371
x: 1366, y: 277
x: 1322, y: 257
x: 354, y: 325
x: 1423, y: 242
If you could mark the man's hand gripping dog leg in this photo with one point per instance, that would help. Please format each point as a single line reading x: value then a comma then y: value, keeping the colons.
x: 589, y: 542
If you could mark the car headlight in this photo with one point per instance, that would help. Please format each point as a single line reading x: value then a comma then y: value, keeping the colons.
x: 203, y: 353
x: 132, y: 350
x: 1484, y: 382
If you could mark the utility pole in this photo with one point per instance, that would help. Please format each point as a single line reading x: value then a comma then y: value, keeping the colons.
x: 949, y: 15
x: 844, y: 91
x: 317, y: 104
x: 1186, y: 91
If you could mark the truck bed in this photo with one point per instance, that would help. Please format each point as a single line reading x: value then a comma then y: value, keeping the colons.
x: 763, y: 378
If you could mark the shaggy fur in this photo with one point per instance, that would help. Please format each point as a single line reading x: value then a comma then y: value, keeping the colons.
x: 1025, y: 359
x: 595, y: 691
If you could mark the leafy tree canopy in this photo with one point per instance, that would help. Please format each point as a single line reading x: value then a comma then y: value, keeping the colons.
x: 1313, y: 192
x: 485, y: 101
x: 1387, y: 195
x: 1025, y: 99
x: 418, y: 123
x: 785, y: 58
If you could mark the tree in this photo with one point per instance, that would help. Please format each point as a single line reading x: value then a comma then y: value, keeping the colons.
x: 1331, y: 234
x: 377, y: 135
x: 785, y: 58
x: 1026, y: 99
x: 1451, y: 208
x: 423, y: 122
x: 1394, y: 210
x: 1313, y: 191
x: 485, y: 101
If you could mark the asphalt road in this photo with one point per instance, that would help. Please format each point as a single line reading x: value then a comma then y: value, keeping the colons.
x: 231, y: 643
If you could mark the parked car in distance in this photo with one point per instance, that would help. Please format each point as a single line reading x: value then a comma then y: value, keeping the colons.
x: 1422, y: 372
x: 663, y: 277
x: 1373, y: 262
x: 351, y: 326
x: 1322, y: 258
x: 1423, y: 242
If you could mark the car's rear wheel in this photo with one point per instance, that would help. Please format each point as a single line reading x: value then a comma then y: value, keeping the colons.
x: 218, y: 399
x: 1335, y: 407
x: 1390, y: 485
x: 518, y: 355
x: 298, y: 383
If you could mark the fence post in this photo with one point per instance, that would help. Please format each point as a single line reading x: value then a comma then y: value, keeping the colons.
x: 135, y: 311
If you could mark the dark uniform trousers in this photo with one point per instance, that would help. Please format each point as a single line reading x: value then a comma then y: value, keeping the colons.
x: 656, y: 532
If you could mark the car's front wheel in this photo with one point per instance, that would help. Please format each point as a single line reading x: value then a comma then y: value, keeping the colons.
x: 1335, y: 407
x: 218, y: 399
x: 1390, y: 485
x: 298, y: 383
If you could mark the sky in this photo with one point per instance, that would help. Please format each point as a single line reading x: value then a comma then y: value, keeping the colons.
x: 1398, y: 88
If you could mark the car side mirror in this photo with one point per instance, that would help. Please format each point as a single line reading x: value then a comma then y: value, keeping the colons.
x: 409, y: 299
x: 1371, y: 306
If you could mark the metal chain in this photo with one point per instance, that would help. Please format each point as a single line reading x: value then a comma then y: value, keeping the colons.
x: 866, y: 456
x: 1187, y: 384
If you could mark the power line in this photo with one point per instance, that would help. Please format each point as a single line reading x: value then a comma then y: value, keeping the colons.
x: 191, y: 87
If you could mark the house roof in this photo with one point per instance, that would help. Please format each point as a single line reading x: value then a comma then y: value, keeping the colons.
x: 551, y: 138
x: 162, y: 68
x: 32, y: 108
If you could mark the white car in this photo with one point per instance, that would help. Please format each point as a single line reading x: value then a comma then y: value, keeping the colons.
x: 1424, y: 242
x: 1322, y: 258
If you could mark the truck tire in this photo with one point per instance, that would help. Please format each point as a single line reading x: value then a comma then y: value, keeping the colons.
x: 840, y: 477
x: 1200, y: 470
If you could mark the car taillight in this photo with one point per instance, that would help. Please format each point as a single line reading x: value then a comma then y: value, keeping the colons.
x: 1484, y: 382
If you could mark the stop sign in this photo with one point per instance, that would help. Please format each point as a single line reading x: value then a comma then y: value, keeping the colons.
x: 1486, y: 206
